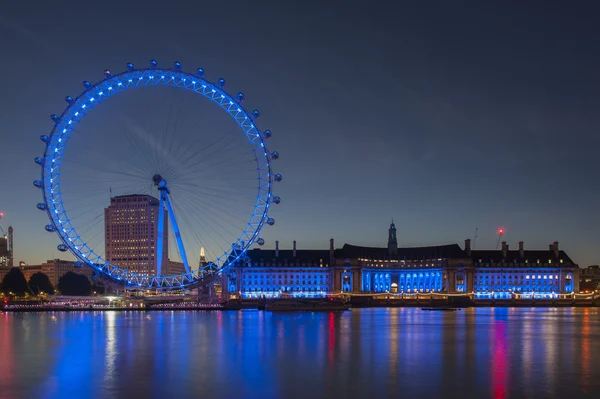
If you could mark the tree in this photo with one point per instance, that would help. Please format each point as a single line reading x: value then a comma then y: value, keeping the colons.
x: 15, y: 282
x: 39, y: 282
x: 74, y: 284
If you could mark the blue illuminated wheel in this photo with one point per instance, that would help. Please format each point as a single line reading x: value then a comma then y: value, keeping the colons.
x: 189, y: 176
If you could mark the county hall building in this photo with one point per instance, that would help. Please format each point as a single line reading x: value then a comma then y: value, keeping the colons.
x: 449, y: 269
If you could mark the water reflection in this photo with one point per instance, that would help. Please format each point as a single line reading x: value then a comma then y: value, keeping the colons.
x: 499, y: 359
x: 473, y: 353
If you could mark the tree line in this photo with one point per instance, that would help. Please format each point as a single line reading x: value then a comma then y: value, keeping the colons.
x: 69, y: 284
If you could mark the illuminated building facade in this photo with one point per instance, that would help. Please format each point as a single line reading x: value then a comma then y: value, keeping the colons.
x: 399, y: 270
x: 280, y: 273
x: 449, y: 269
x: 131, y: 233
x: 522, y: 273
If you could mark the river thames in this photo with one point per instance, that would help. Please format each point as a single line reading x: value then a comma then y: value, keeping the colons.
x: 363, y: 353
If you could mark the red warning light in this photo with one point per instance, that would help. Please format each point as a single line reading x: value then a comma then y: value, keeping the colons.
x: 500, y: 231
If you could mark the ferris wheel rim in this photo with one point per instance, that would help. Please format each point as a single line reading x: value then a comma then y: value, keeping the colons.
x: 109, y: 86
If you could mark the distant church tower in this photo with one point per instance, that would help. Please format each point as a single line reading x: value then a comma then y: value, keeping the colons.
x: 392, y: 241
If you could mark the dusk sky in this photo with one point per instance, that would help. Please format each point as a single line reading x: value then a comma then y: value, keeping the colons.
x: 445, y: 116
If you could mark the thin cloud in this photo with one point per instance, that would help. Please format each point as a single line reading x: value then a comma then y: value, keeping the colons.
x: 20, y: 30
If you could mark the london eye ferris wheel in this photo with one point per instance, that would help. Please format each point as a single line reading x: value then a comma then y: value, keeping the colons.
x: 152, y: 178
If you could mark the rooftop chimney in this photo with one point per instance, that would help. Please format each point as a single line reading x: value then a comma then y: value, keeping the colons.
x: 504, y: 249
x: 468, y: 246
x: 294, y: 254
x: 521, y: 250
x: 331, y: 261
x: 276, y: 249
x: 555, y: 248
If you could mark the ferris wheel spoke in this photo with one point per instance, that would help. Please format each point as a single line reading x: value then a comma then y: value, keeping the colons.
x: 191, y: 168
x: 94, y: 167
x: 219, y: 217
x: 92, y: 224
x: 141, y: 162
x: 93, y: 158
x: 196, y: 157
x: 193, y: 154
x: 200, y: 160
x: 201, y: 221
x: 193, y: 233
x: 208, y: 200
x: 209, y: 215
x: 212, y: 190
x: 228, y: 162
x: 164, y: 136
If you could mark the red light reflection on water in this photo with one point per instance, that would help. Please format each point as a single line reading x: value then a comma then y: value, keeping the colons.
x: 585, y: 351
x: 499, y: 362
x: 8, y: 363
x: 331, y: 336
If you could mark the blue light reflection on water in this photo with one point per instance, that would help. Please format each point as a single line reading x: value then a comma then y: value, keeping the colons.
x: 474, y: 353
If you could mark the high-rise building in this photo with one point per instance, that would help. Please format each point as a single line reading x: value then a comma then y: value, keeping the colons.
x: 6, y: 249
x: 131, y: 233
x: 11, y: 249
x: 4, y: 253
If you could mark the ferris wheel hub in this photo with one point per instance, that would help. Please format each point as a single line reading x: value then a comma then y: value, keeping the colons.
x: 160, y: 182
